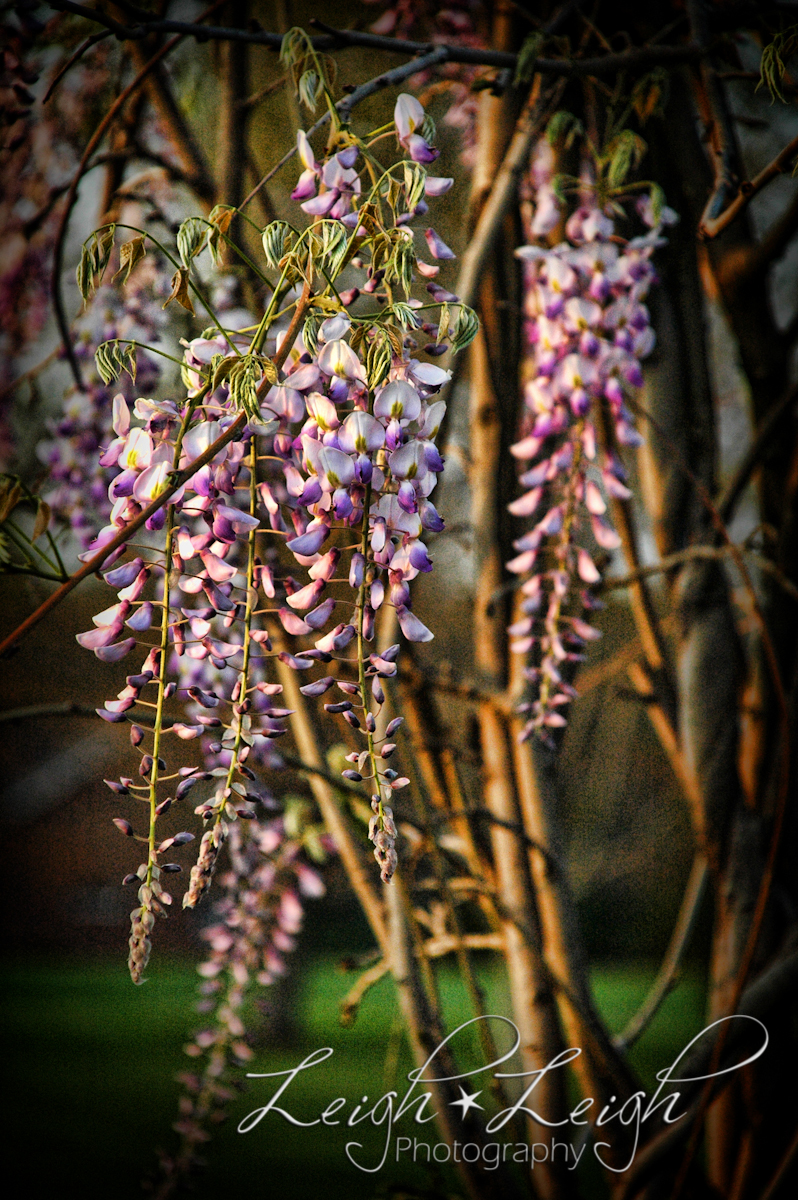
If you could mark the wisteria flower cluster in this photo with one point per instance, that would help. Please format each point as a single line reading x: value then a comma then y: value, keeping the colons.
x: 313, y: 435
x: 587, y: 329
x: 77, y: 473
x: 259, y: 916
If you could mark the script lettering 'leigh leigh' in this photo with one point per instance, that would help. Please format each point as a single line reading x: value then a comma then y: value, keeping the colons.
x: 416, y: 1106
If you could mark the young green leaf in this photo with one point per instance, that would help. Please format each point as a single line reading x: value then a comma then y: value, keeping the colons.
x: 191, y: 239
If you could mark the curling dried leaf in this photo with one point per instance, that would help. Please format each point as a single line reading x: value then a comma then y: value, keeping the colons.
x: 42, y: 521
x: 650, y: 95
x: 130, y: 254
x: 180, y: 290
x: 10, y: 494
x: 220, y: 217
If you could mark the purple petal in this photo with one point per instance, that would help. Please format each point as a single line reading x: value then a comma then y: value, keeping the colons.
x: 437, y: 246
x: 413, y: 629
x: 112, y: 654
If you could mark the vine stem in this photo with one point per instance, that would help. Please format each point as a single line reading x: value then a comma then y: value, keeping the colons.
x: 247, y: 645
x: 361, y: 665
x: 157, y: 727
x: 164, y: 648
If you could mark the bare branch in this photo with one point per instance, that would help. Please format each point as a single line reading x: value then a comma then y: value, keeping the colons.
x: 638, y: 58
x: 680, y: 938
x: 710, y: 227
x: 344, y: 107
x: 73, y: 58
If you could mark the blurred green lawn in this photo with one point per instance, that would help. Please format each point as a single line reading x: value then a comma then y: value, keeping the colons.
x: 91, y: 1062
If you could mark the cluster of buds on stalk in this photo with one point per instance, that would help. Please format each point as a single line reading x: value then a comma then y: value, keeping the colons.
x: 307, y: 520
x: 587, y: 331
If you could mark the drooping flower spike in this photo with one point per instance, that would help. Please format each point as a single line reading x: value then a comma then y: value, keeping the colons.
x: 308, y: 522
x: 587, y: 331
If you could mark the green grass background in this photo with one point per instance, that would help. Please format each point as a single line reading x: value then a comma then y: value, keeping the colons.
x: 90, y: 1066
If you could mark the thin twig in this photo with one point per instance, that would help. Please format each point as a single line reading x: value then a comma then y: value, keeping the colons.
x: 710, y: 227
x: 344, y: 107
x: 73, y: 58
x: 715, y: 113
x: 94, y: 140
x: 351, y: 1002
x: 776, y: 981
x: 694, y: 554
x: 666, y: 976
x: 733, y: 489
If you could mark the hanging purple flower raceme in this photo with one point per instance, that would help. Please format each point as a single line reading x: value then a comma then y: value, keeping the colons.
x: 363, y: 461
x: 258, y: 919
x: 332, y: 472
x: 588, y: 330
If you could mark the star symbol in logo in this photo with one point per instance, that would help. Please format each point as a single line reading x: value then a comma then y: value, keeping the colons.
x: 466, y: 1102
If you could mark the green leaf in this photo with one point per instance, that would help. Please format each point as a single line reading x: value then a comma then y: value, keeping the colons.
x: 103, y: 245
x: 84, y: 275
x: 310, y: 331
x: 427, y: 130
x: 276, y: 239
x: 405, y: 315
x: 773, y: 66
x: 414, y: 179
x: 128, y: 360
x: 191, y: 239
x: 402, y: 262
x: 563, y: 127
x: 378, y: 360
x: 657, y: 201
x: 309, y: 89
x: 107, y: 365
x: 243, y: 378
x: 525, y: 65
x: 443, y: 323
x: 465, y: 329
x: 623, y: 152
x: 94, y: 258
x: 334, y: 246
